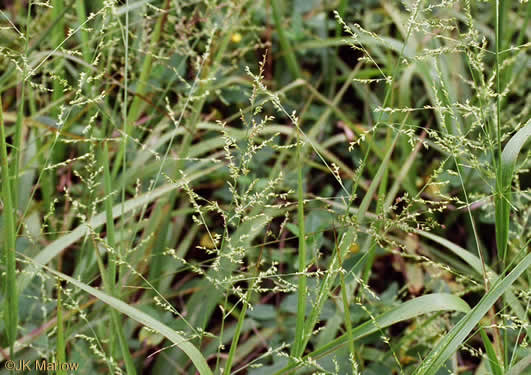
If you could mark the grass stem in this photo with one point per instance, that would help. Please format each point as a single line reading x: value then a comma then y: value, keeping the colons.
x: 9, y: 258
x: 301, y: 290
x: 288, y: 53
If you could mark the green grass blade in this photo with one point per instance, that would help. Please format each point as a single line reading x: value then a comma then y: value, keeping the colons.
x: 291, y: 60
x: 408, y: 310
x: 19, y: 120
x: 327, y: 284
x: 333, y: 61
x: 511, y: 151
x: 364, y: 206
x: 57, y: 246
x: 134, y: 110
x: 8, y: 216
x: 58, y: 36
x: 451, y: 342
x: 346, y: 312
x: 239, y: 325
x: 109, y: 217
x: 465, y: 255
x: 503, y: 184
x: 494, y: 363
x: 297, y: 348
x: 143, y: 318
x: 60, y: 345
x: 118, y: 330
x: 236, y: 337
x: 82, y: 16
x: 474, y: 262
x: 109, y: 276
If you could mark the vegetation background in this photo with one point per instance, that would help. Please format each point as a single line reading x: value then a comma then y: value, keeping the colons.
x: 266, y: 187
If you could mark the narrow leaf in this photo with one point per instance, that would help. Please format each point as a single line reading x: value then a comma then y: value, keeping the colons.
x: 451, y: 342
x: 57, y: 246
x: 503, y: 185
x: 9, y: 259
x: 494, y: 363
x: 143, y: 318
x: 408, y: 310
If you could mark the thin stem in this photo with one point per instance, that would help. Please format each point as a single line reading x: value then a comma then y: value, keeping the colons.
x: 110, y: 222
x: 291, y: 60
x: 61, y: 347
x: 8, y: 216
x: 301, y: 303
x: 335, y: 57
x: 346, y: 310
x: 124, y: 122
x: 133, y: 113
x: 241, y: 319
x: 501, y: 190
x: 502, y: 251
x: 20, y: 116
x: 82, y: 16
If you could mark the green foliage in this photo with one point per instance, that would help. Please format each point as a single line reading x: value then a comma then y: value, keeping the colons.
x: 266, y: 187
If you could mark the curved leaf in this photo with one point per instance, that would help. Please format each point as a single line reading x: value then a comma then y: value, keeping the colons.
x: 465, y: 255
x: 511, y: 151
x: 143, y: 318
x: 473, y: 261
x: 451, y: 342
x: 408, y: 310
x: 503, y: 186
x: 53, y: 249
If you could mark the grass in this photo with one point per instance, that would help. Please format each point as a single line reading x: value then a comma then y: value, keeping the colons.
x: 61, y: 351
x: 10, y: 310
x: 266, y: 187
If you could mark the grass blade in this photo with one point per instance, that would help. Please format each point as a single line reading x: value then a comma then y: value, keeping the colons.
x: 8, y: 216
x: 503, y: 184
x: 511, y: 151
x: 474, y: 262
x: 143, y: 318
x: 298, y: 348
x: 465, y: 255
x: 109, y: 217
x: 57, y: 246
x: 61, y: 351
x: 328, y: 284
x: 82, y: 16
x: 58, y: 37
x: 408, y: 310
x: 109, y: 276
x: 291, y: 60
x: 494, y: 363
x: 451, y: 342
x: 364, y: 206
x: 239, y: 325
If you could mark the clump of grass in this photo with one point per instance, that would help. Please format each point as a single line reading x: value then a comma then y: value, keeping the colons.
x: 231, y: 187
